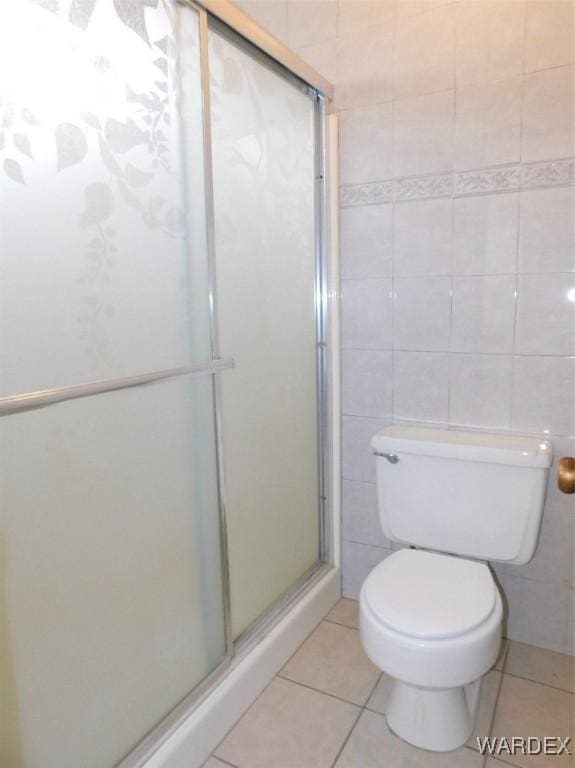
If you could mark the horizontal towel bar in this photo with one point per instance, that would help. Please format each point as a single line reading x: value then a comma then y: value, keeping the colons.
x: 31, y: 400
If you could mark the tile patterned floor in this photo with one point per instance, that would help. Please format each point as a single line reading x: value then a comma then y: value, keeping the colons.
x: 326, y: 709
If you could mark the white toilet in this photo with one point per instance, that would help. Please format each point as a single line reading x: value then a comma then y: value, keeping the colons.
x: 432, y: 622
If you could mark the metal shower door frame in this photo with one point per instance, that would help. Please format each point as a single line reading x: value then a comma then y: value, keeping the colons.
x: 226, y: 19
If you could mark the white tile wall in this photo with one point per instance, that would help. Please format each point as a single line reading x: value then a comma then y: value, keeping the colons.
x: 423, y: 134
x: 358, y: 16
x: 538, y: 610
x: 421, y: 313
x: 421, y: 386
x: 488, y: 124
x: 323, y: 57
x: 483, y: 314
x: 366, y: 141
x: 357, y: 455
x: 480, y: 391
x: 458, y: 245
x: 366, y: 241
x: 312, y: 21
x: 366, y: 382
x: 365, y: 67
x: 550, y: 34
x: 366, y: 317
x: 422, y: 238
x: 357, y: 561
x: 424, y: 49
x: 547, y: 231
x: 554, y: 556
x: 485, y: 231
x: 271, y: 14
x: 543, y: 395
x: 548, y: 114
x: 489, y: 41
x: 550, y: 296
x: 360, y: 514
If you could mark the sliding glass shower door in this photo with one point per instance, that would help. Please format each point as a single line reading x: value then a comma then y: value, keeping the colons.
x: 160, y: 366
x: 111, y: 585
x: 263, y: 149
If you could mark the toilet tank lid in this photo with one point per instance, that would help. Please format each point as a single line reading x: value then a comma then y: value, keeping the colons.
x: 495, y: 448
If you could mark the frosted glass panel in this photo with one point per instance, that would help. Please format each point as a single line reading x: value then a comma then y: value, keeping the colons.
x: 110, y: 588
x: 102, y: 231
x: 111, y: 597
x: 263, y: 155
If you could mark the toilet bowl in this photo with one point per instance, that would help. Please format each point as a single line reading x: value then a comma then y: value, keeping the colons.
x: 432, y: 622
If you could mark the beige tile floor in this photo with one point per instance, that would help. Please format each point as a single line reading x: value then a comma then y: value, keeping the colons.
x: 326, y: 709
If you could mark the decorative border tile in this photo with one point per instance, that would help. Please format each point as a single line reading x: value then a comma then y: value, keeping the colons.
x: 366, y: 194
x: 506, y: 178
x: 416, y: 187
x: 503, y: 179
x: 548, y: 174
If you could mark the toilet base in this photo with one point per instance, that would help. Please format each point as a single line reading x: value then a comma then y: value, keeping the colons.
x: 438, y: 719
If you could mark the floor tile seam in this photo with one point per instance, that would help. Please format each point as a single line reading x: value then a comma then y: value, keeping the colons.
x: 340, y: 623
x: 225, y: 762
x: 538, y: 682
x: 319, y: 690
x: 243, y: 714
x: 347, y: 738
x: 372, y: 691
x: 494, y: 713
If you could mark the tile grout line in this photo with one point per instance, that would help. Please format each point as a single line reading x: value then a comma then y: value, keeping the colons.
x: 240, y: 718
x: 317, y: 690
x: 501, y: 762
x: 538, y: 682
x: 543, y: 69
x: 221, y: 760
x: 446, y: 351
x: 340, y: 623
x: 506, y: 653
x: 289, y: 680
x: 261, y: 693
x: 512, y: 403
x: 519, y: 432
x: 372, y: 691
x: 494, y: 713
x: 295, y: 682
x: 363, y: 707
x: 394, y: 21
x: 306, y: 638
x: 347, y: 738
x: 468, y: 275
x: 365, y: 544
x: 450, y: 360
x: 362, y: 710
x: 513, y: 165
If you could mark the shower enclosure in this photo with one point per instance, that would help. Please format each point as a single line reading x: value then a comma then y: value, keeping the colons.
x: 163, y: 379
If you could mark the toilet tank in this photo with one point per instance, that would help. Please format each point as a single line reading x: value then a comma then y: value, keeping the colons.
x: 467, y: 493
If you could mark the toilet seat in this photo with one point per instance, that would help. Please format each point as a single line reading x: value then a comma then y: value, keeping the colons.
x: 429, y: 596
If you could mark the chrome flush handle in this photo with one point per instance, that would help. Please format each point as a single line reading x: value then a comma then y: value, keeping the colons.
x: 393, y: 458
